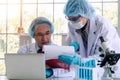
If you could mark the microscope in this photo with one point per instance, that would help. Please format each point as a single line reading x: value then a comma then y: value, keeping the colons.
x: 108, y: 61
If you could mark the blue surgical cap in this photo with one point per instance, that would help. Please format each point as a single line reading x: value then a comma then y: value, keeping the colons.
x: 79, y: 7
x: 37, y: 22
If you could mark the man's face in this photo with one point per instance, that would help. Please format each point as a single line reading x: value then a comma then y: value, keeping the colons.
x: 42, y: 35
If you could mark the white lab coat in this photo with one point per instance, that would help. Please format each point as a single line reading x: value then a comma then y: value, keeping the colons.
x: 99, y: 26
x: 57, y: 72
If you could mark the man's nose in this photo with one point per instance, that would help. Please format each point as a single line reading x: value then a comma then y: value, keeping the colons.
x: 44, y: 37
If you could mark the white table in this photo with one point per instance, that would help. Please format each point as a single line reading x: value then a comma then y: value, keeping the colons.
x: 66, y: 78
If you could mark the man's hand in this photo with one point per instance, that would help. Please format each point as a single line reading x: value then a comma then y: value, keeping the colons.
x: 70, y: 60
x: 77, y: 61
x: 75, y: 45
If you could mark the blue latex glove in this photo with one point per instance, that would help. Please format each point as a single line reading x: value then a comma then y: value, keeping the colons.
x: 69, y: 60
x: 49, y: 73
x: 76, y: 60
x: 75, y: 45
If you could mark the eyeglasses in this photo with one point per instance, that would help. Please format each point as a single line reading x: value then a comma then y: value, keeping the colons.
x: 73, y: 18
x: 41, y: 34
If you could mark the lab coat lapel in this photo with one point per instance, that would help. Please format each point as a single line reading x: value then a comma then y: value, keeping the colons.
x: 91, y: 37
x: 33, y: 48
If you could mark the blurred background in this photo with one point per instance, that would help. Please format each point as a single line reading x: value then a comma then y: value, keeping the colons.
x: 16, y: 16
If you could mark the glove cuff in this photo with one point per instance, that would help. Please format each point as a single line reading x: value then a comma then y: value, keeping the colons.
x: 51, y: 73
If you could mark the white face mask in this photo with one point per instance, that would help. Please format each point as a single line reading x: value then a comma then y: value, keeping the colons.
x: 77, y: 25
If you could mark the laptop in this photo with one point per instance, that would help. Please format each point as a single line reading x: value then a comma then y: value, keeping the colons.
x: 25, y: 66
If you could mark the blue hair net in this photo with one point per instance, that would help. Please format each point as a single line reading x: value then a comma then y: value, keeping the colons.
x: 79, y: 7
x: 39, y: 21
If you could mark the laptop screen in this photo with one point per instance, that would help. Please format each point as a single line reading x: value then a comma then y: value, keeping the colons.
x: 25, y: 66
